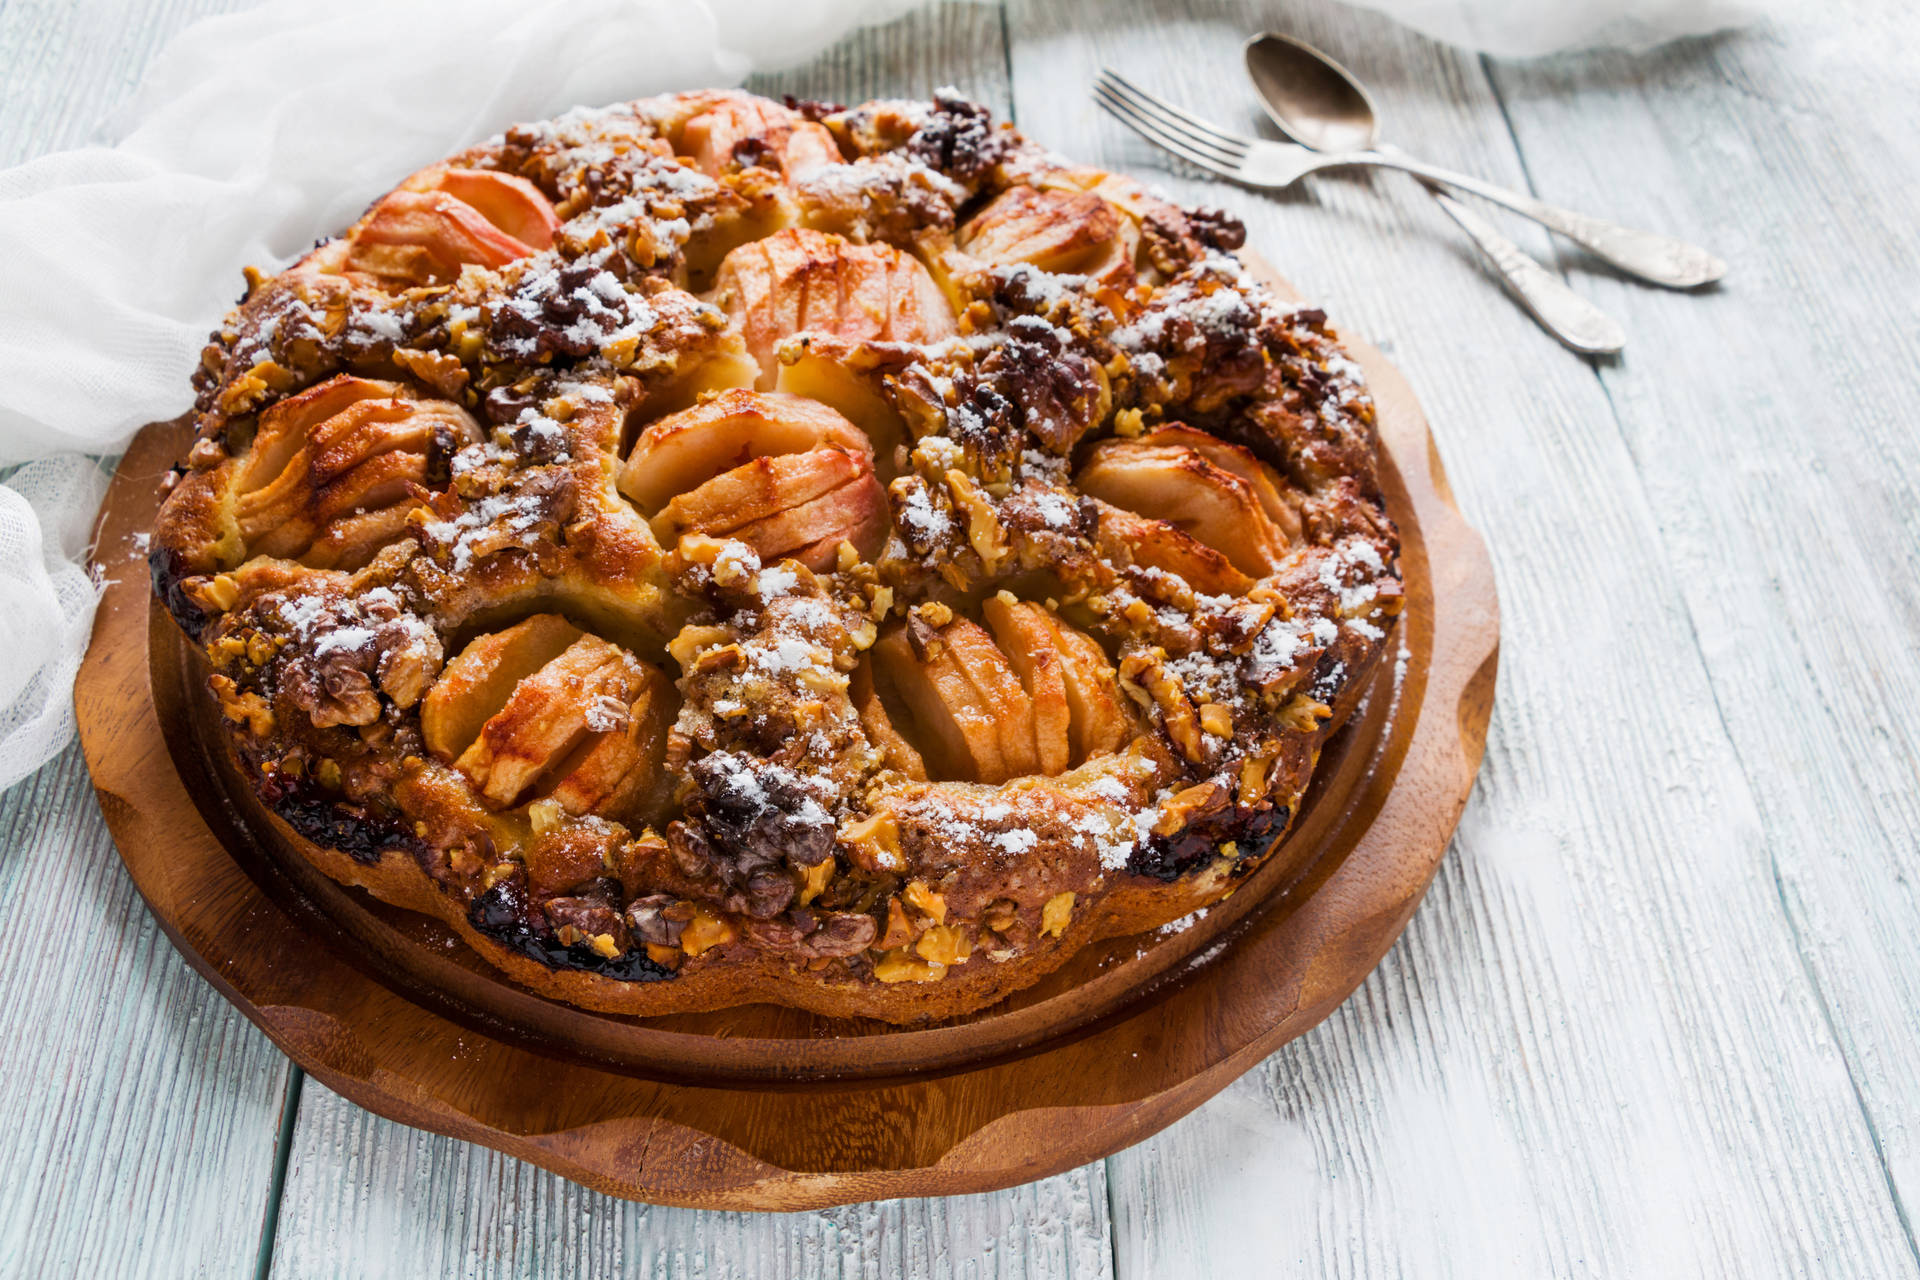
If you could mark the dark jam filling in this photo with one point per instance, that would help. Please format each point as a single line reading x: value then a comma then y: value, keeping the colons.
x: 167, y: 572
x: 325, y: 820
x: 1167, y: 858
x: 501, y: 914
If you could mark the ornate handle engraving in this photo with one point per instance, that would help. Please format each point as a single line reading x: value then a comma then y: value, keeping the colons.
x: 1562, y: 312
x: 1648, y: 255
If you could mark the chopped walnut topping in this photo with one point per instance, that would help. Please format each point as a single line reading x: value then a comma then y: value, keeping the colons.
x: 1055, y: 915
x: 702, y: 534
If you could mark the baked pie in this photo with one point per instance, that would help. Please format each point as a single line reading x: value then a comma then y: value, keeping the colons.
x: 708, y: 552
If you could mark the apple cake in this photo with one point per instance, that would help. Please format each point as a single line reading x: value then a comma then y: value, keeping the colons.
x: 709, y: 551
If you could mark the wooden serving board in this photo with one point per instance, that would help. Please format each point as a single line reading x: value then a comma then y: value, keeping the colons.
x: 768, y: 1108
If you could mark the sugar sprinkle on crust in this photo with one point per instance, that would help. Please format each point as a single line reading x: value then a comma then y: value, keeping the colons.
x: 712, y: 552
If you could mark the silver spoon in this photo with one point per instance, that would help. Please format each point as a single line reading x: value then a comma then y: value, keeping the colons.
x: 1318, y: 103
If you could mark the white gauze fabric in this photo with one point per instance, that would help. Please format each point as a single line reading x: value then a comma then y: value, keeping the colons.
x: 1530, y: 28
x: 251, y: 136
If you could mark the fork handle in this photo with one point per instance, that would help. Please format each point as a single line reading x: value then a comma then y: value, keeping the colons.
x: 1648, y: 255
x: 1577, y: 323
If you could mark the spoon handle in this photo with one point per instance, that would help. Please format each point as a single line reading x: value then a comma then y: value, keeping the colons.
x: 1648, y: 255
x: 1577, y: 323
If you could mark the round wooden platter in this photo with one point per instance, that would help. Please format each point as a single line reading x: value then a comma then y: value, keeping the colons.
x: 768, y: 1108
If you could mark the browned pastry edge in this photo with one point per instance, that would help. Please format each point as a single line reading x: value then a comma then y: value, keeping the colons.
x: 612, y: 556
x: 1134, y: 905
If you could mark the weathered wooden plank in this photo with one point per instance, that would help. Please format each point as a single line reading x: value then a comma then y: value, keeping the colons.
x: 139, y: 1108
x: 68, y: 66
x: 1773, y: 426
x: 358, y: 1204
x: 952, y: 42
x: 353, y: 1204
x: 1596, y: 1050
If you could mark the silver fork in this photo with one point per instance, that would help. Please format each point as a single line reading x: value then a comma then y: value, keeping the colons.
x: 1256, y: 162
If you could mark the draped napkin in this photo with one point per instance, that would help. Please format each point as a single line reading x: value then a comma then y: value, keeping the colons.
x: 251, y: 136
x: 1531, y: 28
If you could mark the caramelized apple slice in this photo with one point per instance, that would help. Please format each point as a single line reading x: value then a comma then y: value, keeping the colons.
x: 1242, y: 462
x: 369, y: 428
x: 743, y: 130
x: 512, y: 204
x: 1095, y: 708
x: 355, y: 538
x: 820, y: 372
x: 803, y: 505
x: 377, y: 483
x: 1071, y: 232
x: 1171, y: 481
x: 976, y: 720
x: 798, y: 280
x: 363, y: 433
x: 1155, y: 544
x: 360, y: 460
x: 424, y: 237
x: 274, y: 486
x: 958, y: 734
x: 812, y: 532
x: 475, y: 685
x: 998, y: 690
x: 864, y: 526
x: 329, y: 477
x: 762, y: 287
x: 618, y: 774
x: 1026, y: 636
x: 283, y: 430
x: 547, y: 717
x: 867, y: 704
x: 761, y: 488
x: 277, y: 519
x: 680, y: 452
x: 726, y: 367
x: 427, y: 229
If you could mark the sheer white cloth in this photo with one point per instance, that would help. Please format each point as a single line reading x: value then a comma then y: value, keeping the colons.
x: 1529, y: 28
x: 251, y: 136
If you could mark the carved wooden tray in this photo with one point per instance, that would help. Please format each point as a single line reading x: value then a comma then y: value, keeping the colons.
x: 766, y: 1108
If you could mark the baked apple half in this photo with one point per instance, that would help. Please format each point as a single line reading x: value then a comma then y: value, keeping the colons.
x: 800, y: 281
x: 848, y: 378
x: 1065, y: 232
x: 328, y: 479
x: 895, y: 751
x: 442, y: 218
x: 1194, y: 505
x: 785, y: 475
x: 542, y: 709
x: 741, y: 130
x: 1033, y: 695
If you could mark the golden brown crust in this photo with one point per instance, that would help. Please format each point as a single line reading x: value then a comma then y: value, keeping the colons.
x: 711, y: 552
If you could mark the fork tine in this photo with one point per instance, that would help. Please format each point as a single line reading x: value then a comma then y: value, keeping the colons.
x: 1233, y: 152
x: 1176, y: 117
x: 1159, y: 134
x: 1173, y: 129
x: 1153, y: 132
x: 1143, y: 112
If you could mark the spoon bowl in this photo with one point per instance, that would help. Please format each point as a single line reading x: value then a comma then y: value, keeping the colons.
x: 1320, y: 105
x: 1310, y: 97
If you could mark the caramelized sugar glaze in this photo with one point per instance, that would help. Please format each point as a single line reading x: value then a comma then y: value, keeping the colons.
x: 710, y: 551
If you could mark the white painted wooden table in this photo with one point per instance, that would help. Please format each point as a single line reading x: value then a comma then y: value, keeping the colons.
x: 1660, y: 1014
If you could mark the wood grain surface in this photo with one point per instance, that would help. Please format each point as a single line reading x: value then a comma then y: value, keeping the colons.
x: 1657, y: 1015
